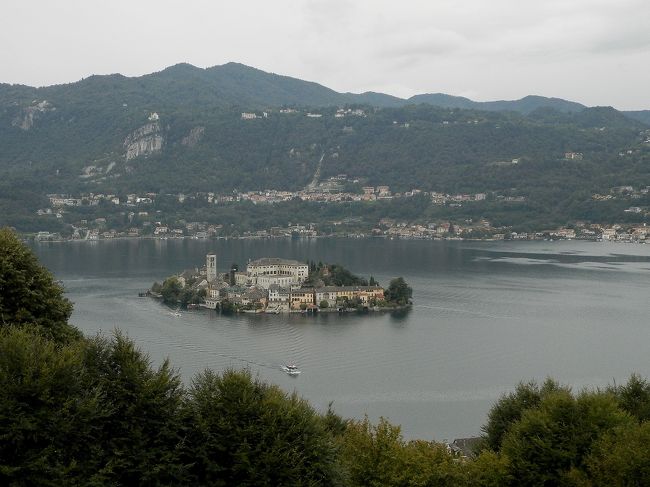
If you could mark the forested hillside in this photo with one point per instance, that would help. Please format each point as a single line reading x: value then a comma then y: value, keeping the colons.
x: 181, y: 130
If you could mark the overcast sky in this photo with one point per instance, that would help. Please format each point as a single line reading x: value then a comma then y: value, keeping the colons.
x: 596, y: 52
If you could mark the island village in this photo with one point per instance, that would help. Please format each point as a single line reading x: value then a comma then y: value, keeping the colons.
x: 275, y: 285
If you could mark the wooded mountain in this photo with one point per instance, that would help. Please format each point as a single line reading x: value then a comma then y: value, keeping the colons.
x: 181, y: 129
x: 524, y: 105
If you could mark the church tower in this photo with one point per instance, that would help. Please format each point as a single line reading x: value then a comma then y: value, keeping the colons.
x: 211, y: 267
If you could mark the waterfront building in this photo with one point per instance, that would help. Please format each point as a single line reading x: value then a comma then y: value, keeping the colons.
x: 302, y: 297
x: 332, y: 294
x: 278, y: 294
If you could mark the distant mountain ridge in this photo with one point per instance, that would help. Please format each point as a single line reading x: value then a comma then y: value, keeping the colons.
x: 241, y: 85
x: 525, y: 105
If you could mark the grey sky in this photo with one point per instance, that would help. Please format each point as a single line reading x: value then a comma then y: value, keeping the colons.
x: 593, y: 51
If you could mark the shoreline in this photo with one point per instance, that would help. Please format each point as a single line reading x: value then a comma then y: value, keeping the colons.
x: 348, y: 236
x: 373, y: 309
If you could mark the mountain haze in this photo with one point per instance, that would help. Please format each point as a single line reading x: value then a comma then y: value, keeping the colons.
x: 241, y: 85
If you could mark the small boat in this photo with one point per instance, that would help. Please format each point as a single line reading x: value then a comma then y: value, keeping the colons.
x: 175, y: 313
x: 291, y: 369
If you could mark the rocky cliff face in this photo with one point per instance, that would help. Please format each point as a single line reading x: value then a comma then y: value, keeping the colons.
x: 194, y: 137
x: 144, y: 141
x: 25, y: 119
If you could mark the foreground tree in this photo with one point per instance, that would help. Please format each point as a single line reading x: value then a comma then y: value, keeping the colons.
x: 141, y: 428
x: 488, y: 469
x: 621, y: 458
x: 634, y: 397
x: 510, y: 407
x: 29, y: 295
x: 86, y: 413
x: 550, y: 443
x: 377, y: 455
x: 47, y: 414
x: 250, y: 433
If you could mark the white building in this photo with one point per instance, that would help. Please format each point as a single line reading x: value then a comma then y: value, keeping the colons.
x: 283, y: 272
x: 265, y: 281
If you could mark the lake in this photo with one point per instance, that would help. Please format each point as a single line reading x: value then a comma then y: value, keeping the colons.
x: 487, y: 315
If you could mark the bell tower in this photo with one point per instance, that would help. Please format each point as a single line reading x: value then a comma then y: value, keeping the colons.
x: 211, y: 267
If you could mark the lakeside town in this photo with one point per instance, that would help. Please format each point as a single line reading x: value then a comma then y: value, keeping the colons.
x: 274, y: 285
x: 139, y: 218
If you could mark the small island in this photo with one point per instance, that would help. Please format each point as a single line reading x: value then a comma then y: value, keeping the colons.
x: 275, y: 285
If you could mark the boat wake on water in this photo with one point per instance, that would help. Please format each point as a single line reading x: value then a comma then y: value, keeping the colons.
x: 290, y: 368
x: 477, y: 313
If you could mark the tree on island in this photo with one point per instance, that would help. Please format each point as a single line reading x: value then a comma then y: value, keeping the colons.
x: 234, y: 268
x: 175, y: 294
x: 226, y: 306
x: 171, y: 291
x: 332, y: 275
x: 399, y: 292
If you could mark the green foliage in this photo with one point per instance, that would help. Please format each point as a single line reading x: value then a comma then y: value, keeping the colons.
x: 324, y: 304
x: 171, y: 291
x: 47, y: 415
x: 621, y: 458
x: 548, y: 442
x: 29, y: 296
x: 92, y: 412
x: 510, y: 407
x: 371, y: 453
x: 226, y: 306
x: 234, y: 268
x: 634, y: 397
x: 175, y: 294
x: 488, y: 469
x: 377, y: 455
x: 428, y: 463
x: 398, y: 292
x: 250, y: 433
x: 139, y: 432
x: 337, y: 275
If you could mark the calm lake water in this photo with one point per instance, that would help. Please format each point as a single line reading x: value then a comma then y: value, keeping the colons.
x: 486, y: 316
